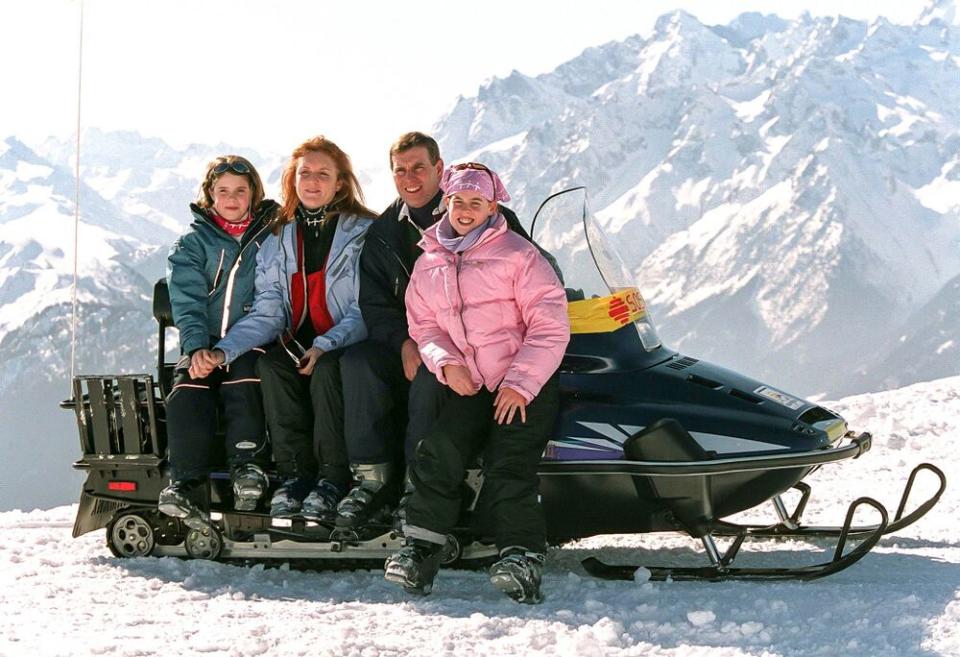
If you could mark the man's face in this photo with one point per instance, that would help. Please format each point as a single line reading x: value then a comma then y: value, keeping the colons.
x: 417, y: 180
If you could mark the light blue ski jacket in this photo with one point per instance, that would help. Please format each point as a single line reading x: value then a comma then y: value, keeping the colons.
x: 272, y: 312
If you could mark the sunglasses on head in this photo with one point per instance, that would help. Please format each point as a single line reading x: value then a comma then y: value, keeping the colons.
x: 236, y: 167
x: 475, y: 166
x: 470, y: 165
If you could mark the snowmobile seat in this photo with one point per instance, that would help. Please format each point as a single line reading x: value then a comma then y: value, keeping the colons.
x: 664, y: 440
x: 686, y: 498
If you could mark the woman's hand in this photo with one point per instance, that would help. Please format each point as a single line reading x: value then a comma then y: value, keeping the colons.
x: 459, y: 379
x: 507, y: 403
x: 410, y: 356
x: 204, y: 361
x: 309, y: 360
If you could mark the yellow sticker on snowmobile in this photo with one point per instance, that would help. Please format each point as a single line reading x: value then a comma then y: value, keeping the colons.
x: 605, y: 314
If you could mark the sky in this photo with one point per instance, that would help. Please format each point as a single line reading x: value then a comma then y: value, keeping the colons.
x: 270, y: 74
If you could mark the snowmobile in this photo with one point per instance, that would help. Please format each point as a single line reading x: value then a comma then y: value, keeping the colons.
x: 647, y: 440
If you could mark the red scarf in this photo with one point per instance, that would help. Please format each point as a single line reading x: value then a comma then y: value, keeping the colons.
x: 233, y: 228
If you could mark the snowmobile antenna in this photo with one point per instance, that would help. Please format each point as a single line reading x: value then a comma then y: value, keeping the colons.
x: 76, y: 210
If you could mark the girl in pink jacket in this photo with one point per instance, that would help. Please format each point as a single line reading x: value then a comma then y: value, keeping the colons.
x: 489, y: 317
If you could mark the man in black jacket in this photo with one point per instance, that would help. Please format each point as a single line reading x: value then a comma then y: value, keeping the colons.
x: 384, y: 374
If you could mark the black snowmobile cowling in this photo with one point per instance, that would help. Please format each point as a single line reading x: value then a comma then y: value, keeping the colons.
x: 647, y: 440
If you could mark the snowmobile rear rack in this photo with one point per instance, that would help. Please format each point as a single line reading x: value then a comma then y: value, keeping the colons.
x: 721, y: 570
x: 117, y: 419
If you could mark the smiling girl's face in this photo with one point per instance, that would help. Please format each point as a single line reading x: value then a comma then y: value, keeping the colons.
x: 468, y: 210
x: 231, y: 197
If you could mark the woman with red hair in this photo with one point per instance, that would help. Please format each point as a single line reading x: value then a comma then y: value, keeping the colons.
x: 306, y: 300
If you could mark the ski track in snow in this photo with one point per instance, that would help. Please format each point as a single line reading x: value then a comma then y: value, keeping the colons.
x: 64, y: 596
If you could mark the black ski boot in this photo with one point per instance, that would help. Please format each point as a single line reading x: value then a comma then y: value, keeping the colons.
x: 518, y: 575
x: 179, y: 500
x: 400, y: 513
x: 321, y: 503
x: 370, y: 495
x: 288, y: 498
x: 250, y: 483
x: 414, y: 566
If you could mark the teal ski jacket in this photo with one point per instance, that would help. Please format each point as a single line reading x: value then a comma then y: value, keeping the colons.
x: 211, y: 275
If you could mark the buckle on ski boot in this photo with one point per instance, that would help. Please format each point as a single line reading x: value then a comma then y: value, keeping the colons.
x: 518, y: 574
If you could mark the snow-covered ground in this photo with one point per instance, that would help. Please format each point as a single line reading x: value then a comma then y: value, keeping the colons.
x: 60, y: 596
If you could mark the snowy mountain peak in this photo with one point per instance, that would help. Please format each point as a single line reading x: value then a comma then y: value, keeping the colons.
x: 749, y: 26
x: 677, y: 23
x: 810, y: 164
x: 943, y: 12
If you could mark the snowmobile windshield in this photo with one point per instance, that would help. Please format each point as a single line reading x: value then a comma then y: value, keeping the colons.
x: 601, y: 289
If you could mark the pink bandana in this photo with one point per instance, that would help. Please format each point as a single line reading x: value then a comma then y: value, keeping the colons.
x: 472, y: 177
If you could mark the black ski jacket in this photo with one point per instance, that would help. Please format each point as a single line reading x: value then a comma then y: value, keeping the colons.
x: 386, y: 262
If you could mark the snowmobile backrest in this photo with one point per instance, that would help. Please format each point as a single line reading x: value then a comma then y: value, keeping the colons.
x: 664, y: 440
x: 162, y: 311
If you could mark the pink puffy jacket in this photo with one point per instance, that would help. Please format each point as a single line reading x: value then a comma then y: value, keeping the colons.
x: 497, y: 308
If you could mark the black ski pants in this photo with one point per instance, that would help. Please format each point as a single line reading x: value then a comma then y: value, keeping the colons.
x: 384, y: 410
x: 192, y: 419
x: 305, y: 416
x: 427, y: 400
x: 511, y: 452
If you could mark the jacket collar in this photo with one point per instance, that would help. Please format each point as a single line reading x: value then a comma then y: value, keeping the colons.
x: 349, y: 227
x: 263, y: 213
x: 430, y: 242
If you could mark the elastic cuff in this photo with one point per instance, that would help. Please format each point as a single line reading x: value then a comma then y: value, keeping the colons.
x: 522, y: 391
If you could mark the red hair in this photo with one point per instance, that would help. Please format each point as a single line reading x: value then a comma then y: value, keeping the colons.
x: 348, y: 200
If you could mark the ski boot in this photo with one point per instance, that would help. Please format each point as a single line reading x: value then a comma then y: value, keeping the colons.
x: 178, y: 500
x: 518, y: 575
x: 414, y: 566
x: 400, y: 513
x: 321, y: 503
x: 364, y: 500
x: 249, y: 485
x: 288, y: 499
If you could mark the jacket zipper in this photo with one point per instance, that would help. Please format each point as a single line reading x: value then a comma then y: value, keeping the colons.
x: 228, y: 295
x: 396, y: 281
x: 216, y: 279
x: 301, y: 263
x: 463, y: 324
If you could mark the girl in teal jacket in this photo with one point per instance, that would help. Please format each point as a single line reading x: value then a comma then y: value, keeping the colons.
x: 211, y: 271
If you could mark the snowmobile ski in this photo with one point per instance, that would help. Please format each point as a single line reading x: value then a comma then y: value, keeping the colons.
x: 722, y: 571
x: 790, y: 525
